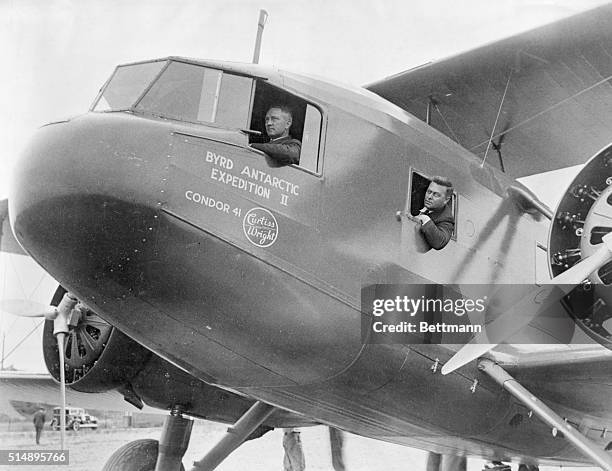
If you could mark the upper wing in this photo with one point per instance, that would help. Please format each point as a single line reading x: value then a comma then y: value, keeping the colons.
x: 555, y: 84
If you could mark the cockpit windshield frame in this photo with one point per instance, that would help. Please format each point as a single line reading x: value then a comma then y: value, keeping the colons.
x: 187, y: 92
x: 145, y: 89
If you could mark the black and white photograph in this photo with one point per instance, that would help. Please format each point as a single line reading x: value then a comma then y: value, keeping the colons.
x: 306, y: 235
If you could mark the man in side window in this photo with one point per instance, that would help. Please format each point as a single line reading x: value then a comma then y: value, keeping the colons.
x: 436, y: 217
x: 282, y: 148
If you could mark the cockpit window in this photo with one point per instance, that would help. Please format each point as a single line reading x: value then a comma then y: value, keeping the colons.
x: 126, y: 85
x: 193, y: 93
x: 306, y: 122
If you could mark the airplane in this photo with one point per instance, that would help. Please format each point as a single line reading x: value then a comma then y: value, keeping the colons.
x: 200, y: 277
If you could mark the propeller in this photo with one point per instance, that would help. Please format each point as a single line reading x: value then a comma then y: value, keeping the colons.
x: 24, y: 308
x: 63, y: 316
x: 532, y: 305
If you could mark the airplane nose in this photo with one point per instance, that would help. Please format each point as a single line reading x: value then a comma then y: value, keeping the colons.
x: 85, y: 192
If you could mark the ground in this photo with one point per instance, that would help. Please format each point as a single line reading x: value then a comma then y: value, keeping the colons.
x: 90, y: 449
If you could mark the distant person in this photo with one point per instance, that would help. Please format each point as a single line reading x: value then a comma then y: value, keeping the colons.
x: 436, y: 217
x: 294, y: 454
x: 39, y: 422
x: 282, y: 148
x: 336, y: 443
x: 437, y: 462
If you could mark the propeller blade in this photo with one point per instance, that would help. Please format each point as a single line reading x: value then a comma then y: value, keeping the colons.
x: 60, y: 316
x: 60, y: 330
x: 26, y: 308
x: 61, y: 337
x: 532, y: 305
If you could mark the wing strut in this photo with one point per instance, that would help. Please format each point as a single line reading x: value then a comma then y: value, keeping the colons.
x: 495, y: 125
x: 546, y: 414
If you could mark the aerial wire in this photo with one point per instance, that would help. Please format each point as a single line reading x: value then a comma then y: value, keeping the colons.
x: 446, y: 123
x: 40, y: 281
x: 23, y: 340
x: 23, y: 291
x: 552, y: 107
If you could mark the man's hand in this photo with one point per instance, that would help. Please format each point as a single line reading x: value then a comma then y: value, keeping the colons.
x: 423, y: 217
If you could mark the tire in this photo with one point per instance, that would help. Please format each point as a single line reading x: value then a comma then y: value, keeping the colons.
x: 75, y: 426
x: 139, y: 455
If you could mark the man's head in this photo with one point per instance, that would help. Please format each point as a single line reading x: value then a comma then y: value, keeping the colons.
x: 438, y: 193
x: 278, y: 121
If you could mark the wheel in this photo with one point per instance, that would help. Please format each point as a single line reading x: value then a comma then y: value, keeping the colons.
x: 75, y: 426
x: 139, y: 455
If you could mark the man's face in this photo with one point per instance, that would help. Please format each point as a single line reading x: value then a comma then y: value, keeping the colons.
x: 435, y: 197
x: 277, y: 123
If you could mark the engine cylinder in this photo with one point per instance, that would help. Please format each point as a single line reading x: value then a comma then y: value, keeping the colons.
x: 98, y: 356
x: 582, y: 218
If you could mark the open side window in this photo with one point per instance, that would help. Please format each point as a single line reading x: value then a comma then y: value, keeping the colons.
x: 418, y: 186
x: 306, y: 122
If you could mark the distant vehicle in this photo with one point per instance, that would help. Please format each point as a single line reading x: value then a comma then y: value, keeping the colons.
x: 76, y: 418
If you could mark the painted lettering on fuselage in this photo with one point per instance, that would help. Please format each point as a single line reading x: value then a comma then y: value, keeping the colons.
x: 250, y: 180
x: 240, y: 183
x: 271, y: 181
x: 207, y: 201
x: 219, y: 160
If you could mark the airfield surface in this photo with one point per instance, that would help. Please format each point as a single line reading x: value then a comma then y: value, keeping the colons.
x: 89, y: 450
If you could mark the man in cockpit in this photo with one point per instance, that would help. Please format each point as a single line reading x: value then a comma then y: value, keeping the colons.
x: 282, y: 148
x: 436, y: 217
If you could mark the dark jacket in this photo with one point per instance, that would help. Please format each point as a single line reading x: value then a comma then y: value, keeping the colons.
x: 439, y: 230
x: 284, y: 151
x: 39, y: 419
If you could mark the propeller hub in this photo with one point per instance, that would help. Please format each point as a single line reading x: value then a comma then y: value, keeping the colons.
x: 64, y: 312
x: 597, y: 225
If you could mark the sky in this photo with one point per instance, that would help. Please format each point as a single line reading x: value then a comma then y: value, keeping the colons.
x: 58, y: 53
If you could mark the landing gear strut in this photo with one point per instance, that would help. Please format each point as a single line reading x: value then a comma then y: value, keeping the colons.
x: 173, y: 442
x: 235, y: 436
x: 149, y: 455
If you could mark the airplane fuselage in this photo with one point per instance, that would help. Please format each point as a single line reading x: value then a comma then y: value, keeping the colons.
x: 249, y: 275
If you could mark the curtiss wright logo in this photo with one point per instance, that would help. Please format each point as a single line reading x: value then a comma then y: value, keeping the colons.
x: 260, y: 227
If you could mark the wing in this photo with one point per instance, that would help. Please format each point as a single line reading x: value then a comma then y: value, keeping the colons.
x: 8, y: 243
x: 42, y: 389
x: 566, y: 376
x: 544, y: 96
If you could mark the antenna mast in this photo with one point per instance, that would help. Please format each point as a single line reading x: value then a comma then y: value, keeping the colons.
x: 263, y: 16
